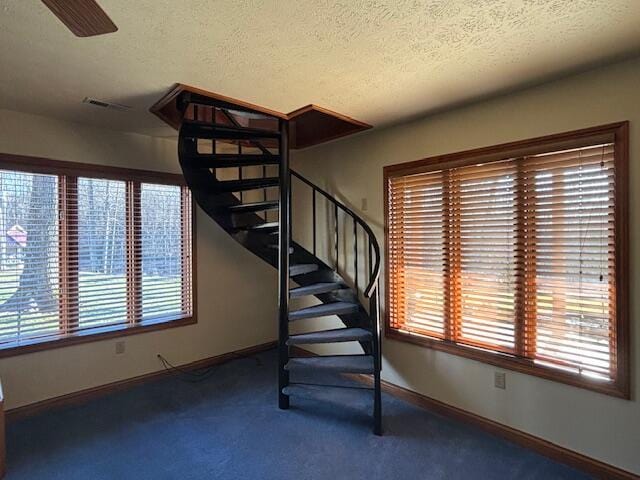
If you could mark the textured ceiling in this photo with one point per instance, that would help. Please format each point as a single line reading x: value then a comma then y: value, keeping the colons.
x: 379, y: 61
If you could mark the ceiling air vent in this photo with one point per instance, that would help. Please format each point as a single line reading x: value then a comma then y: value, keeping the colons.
x: 103, y: 104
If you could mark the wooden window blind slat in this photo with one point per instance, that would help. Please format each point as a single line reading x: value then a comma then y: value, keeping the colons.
x: 517, y: 255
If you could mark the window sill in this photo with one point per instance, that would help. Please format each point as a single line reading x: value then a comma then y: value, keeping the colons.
x: 615, y: 389
x: 105, y: 333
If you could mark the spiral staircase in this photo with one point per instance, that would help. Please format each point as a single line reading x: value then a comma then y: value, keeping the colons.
x: 235, y: 159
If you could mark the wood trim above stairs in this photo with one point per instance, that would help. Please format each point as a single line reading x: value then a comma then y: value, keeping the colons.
x: 310, y: 125
x: 537, y: 444
x: 82, y: 396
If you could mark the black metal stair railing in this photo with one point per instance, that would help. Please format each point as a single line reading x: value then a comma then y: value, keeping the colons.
x: 371, y: 256
x: 373, y: 246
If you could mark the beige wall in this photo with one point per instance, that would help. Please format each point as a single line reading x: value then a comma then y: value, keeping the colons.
x: 599, y: 426
x: 237, y: 292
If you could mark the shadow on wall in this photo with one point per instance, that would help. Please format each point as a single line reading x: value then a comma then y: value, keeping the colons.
x: 405, y: 363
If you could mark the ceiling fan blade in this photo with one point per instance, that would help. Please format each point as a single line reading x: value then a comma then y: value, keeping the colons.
x: 84, y: 18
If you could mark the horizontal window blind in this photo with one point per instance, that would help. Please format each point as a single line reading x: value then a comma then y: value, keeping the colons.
x: 100, y: 252
x: 29, y: 272
x: 483, y: 224
x: 573, y: 198
x: 164, y: 271
x: 82, y: 255
x: 416, y: 244
x: 515, y: 256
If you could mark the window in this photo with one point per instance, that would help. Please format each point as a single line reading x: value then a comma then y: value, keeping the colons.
x: 88, y: 252
x: 516, y: 255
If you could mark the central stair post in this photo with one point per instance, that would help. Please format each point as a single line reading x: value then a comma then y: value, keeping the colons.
x: 283, y: 265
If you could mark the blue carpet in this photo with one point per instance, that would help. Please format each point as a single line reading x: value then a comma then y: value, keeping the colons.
x: 229, y: 427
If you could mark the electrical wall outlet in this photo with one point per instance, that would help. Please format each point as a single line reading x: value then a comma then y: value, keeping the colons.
x: 120, y: 347
x: 500, y: 380
x: 364, y: 204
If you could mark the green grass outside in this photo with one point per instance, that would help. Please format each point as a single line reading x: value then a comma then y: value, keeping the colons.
x: 102, y: 302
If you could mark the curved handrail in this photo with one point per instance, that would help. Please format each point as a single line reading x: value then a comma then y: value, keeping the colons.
x: 375, y: 275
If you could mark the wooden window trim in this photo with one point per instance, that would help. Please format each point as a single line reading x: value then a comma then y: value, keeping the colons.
x: 68, y: 248
x: 619, y: 133
x: 68, y: 172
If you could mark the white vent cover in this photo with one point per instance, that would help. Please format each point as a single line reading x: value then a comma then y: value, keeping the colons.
x: 103, y: 104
